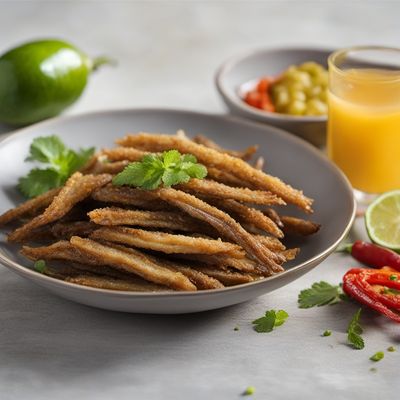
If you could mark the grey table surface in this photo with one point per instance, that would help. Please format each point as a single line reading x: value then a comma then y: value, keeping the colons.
x: 167, y: 53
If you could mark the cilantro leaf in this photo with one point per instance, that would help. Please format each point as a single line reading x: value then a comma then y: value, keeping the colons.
x: 46, y: 149
x: 80, y: 158
x: 354, y: 331
x: 38, y: 181
x: 281, y: 317
x: 169, y: 168
x: 270, y: 320
x: 60, y: 162
x: 320, y: 294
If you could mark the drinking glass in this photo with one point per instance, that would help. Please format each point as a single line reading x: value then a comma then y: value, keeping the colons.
x: 364, y: 118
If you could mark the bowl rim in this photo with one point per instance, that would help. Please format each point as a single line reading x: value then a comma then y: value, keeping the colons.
x: 237, y: 102
x: 35, y: 276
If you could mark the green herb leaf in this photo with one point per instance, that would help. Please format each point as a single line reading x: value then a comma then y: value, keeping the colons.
x: 281, y: 317
x: 249, y: 391
x: 170, y: 168
x: 46, y: 149
x: 320, y: 294
x: 40, y: 266
x: 38, y: 181
x: 377, y: 356
x: 354, y: 332
x: 60, y: 163
x: 327, y: 333
x: 270, y: 320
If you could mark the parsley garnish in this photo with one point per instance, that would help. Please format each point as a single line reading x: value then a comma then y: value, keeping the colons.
x: 270, y: 320
x: 320, y: 294
x: 40, y: 266
x: 327, y: 333
x: 60, y: 163
x: 168, y: 168
x: 377, y: 356
x: 354, y: 332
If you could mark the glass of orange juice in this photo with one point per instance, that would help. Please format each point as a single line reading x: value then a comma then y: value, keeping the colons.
x: 364, y: 118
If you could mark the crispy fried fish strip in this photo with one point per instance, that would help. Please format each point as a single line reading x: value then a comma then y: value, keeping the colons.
x: 64, y: 230
x: 225, y: 177
x: 77, y: 188
x: 272, y: 214
x: 224, y: 262
x: 166, y: 242
x: 248, y: 215
x: 244, y: 154
x: 290, y: 254
x: 108, y: 167
x: 130, y: 260
x: 228, y: 278
x: 259, y: 164
x: 123, y: 153
x: 270, y: 242
x: 112, y: 279
x: 298, y: 226
x: 210, y: 157
x: 29, y: 207
x: 128, y: 196
x: 101, y: 282
x: 201, y: 280
x: 61, y: 250
x: 223, y: 223
x: 150, y: 219
x: 219, y: 190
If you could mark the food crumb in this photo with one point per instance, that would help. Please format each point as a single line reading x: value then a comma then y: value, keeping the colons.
x: 236, y: 328
x: 377, y: 356
x: 391, y: 349
x: 327, y: 333
x: 249, y: 391
x: 373, y: 369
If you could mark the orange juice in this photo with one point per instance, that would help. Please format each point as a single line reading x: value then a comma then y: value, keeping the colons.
x: 364, y: 127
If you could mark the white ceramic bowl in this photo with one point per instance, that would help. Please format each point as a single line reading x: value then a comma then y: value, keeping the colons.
x: 270, y: 62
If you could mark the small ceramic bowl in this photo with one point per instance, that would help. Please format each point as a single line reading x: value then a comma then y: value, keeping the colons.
x: 253, y: 65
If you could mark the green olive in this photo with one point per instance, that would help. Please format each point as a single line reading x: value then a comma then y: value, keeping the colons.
x: 301, y: 90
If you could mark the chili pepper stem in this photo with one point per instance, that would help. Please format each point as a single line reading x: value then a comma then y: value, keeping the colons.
x: 344, y: 248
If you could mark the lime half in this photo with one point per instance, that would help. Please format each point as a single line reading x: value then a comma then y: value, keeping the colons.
x: 382, y: 220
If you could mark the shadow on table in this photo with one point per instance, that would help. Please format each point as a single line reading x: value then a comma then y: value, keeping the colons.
x: 52, y: 337
x: 5, y: 129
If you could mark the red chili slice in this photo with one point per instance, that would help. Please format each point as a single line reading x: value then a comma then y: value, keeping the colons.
x: 355, y: 284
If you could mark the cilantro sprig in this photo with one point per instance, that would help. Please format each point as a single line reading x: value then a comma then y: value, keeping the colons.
x: 59, y: 161
x: 169, y: 168
x: 320, y: 294
x: 354, y: 331
x: 270, y: 320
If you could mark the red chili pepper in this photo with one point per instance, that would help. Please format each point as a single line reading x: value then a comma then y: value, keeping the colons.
x: 373, y: 255
x: 356, y: 284
x: 367, y: 279
x: 259, y: 96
